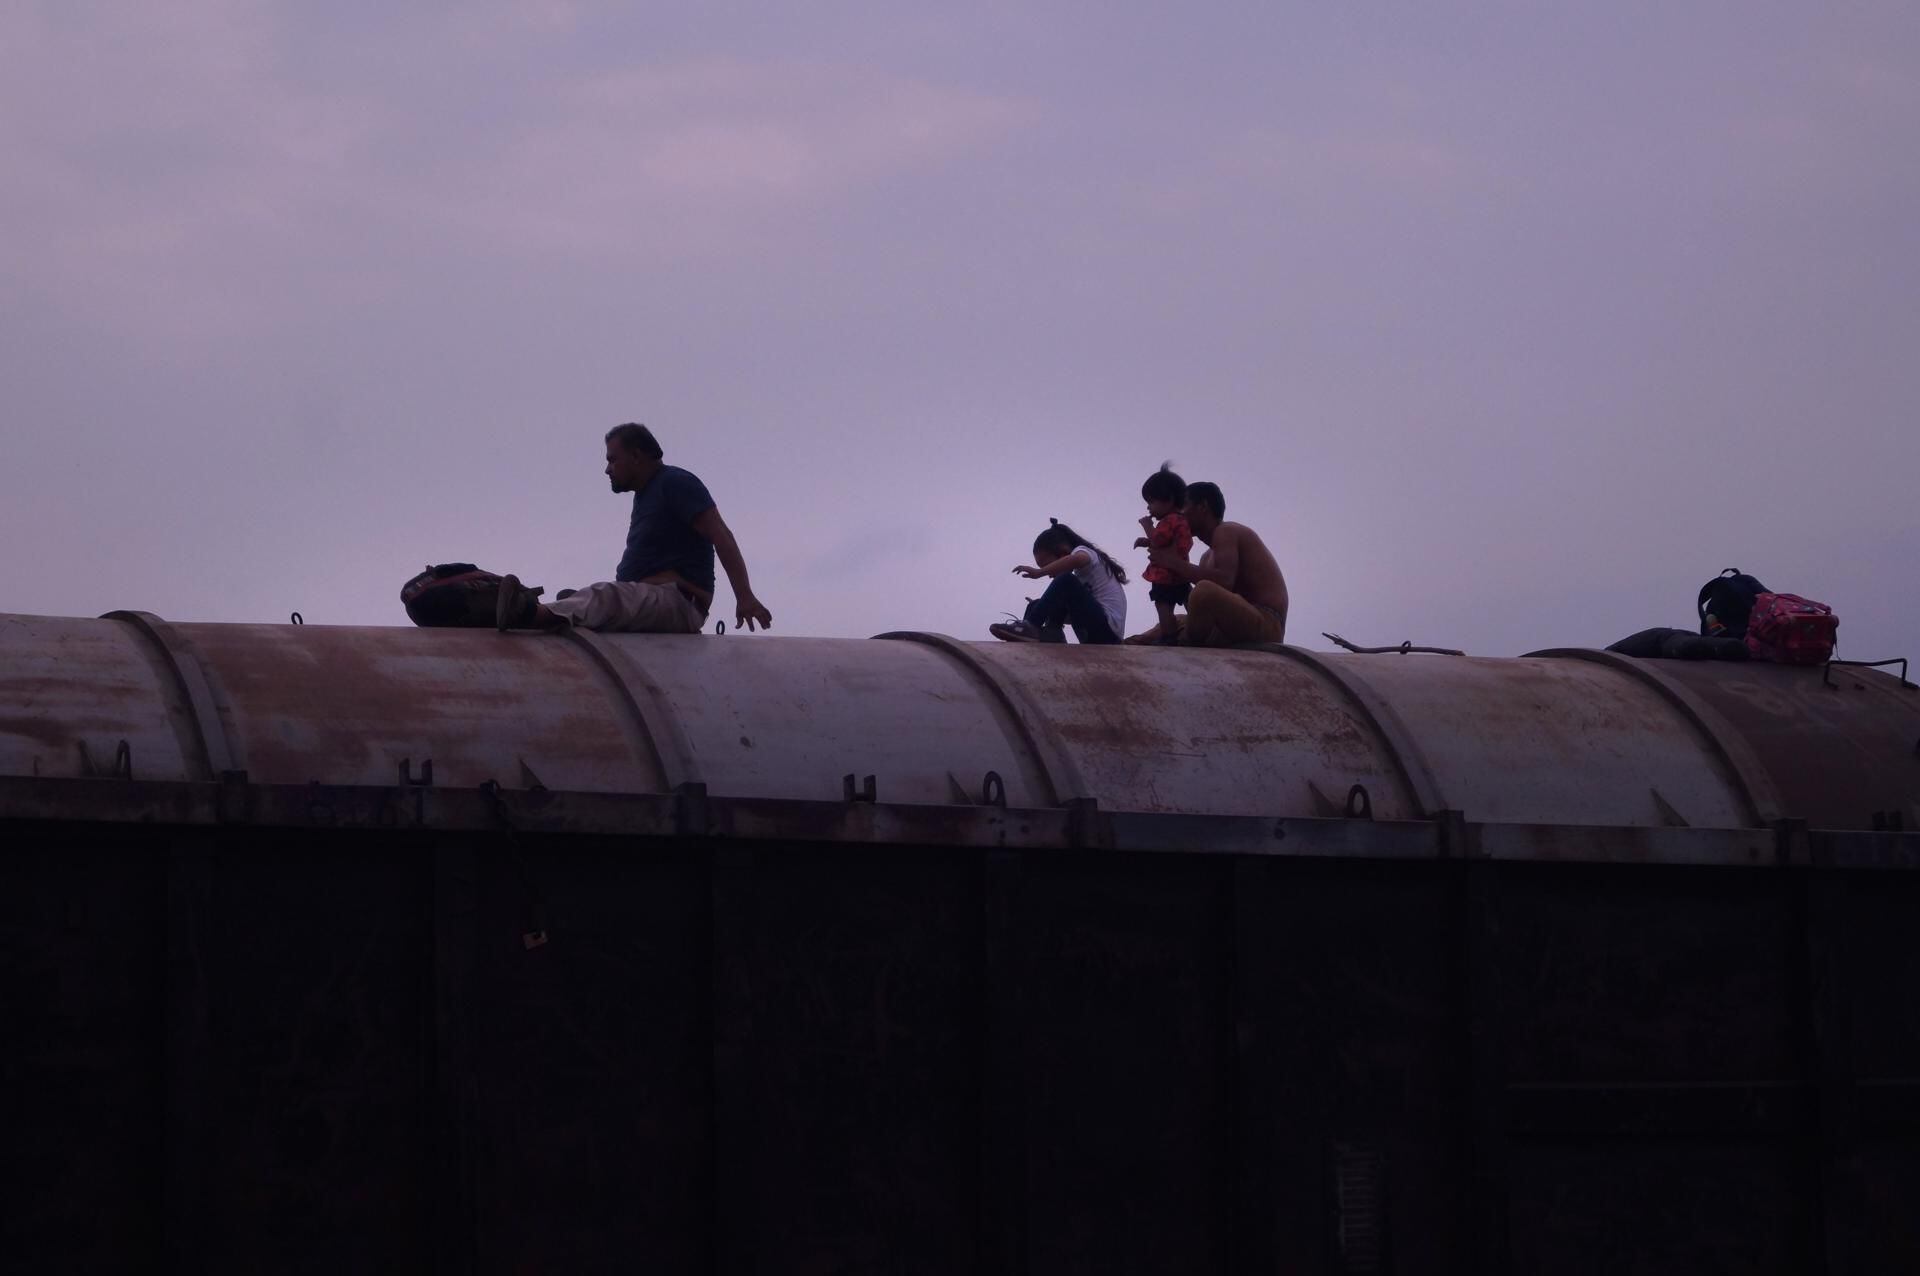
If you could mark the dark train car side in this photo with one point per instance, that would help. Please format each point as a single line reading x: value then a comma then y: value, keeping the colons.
x: 349, y: 949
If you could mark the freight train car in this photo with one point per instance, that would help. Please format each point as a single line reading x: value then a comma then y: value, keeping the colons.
x: 364, y: 949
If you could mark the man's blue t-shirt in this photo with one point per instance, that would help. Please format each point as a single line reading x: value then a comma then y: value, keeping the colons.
x: 661, y: 536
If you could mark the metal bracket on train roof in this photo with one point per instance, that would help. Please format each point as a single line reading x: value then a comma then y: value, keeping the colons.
x: 1740, y: 760
x: 320, y: 808
x: 1086, y: 829
x: 1669, y: 814
x: 691, y: 815
x: 993, y: 791
x: 417, y: 785
x: 233, y: 800
x: 1358, y: 806
x: 122, y: 763
x: 496, y: 806
x: 216, y: 753
x: 869, y: 791
x: 1459, y: 840
x: 1791, y: 843
x: 1059, y: 776
x: 1379, y: 714
x: 1826, y: 671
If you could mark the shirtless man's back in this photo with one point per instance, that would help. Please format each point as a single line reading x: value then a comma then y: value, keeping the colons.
x: 1257, y: 577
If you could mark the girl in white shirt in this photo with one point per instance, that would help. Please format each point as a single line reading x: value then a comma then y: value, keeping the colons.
x: 1085, y: 592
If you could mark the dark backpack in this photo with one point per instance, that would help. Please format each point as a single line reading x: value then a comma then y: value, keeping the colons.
x: 1725, y: 603
x: 451, y: 595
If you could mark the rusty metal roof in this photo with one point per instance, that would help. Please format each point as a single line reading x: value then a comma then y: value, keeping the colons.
x: 1559, y: 738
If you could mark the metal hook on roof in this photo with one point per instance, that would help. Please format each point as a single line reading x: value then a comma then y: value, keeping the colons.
x: 122, y: 768
x: 298, y: 619
x: 1826, y: 670
x: 720, y: 628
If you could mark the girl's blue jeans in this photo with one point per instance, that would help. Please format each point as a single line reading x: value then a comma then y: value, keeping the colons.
x: 1067, y: 602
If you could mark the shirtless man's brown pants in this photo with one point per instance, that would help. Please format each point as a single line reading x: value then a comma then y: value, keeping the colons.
x: 1218, y: 617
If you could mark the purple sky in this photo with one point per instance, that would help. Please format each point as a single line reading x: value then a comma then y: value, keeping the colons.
x: 1506, y: 328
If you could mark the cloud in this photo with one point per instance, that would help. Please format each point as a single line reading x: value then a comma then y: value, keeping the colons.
x: 182, y: 170
x: 1449, y: 300
x: 657, y: 160
x: 155, y: 166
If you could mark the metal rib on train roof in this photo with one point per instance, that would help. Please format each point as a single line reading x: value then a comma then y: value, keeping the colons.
x: 1163, y: 731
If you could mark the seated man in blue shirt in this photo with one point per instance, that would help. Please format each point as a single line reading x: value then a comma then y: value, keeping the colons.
x: 664, y: 584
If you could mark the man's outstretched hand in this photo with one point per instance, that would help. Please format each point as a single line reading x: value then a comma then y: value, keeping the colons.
x: 748, y: 610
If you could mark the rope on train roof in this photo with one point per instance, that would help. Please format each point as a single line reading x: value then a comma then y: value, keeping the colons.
x: 1405, y: 648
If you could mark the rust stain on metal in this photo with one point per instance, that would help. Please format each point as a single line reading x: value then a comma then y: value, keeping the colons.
x: 1231, y: 733
x: 358, y: 700
x: 1835, y: 756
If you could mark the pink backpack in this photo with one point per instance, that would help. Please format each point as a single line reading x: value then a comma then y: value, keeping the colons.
x: 1790, y: 630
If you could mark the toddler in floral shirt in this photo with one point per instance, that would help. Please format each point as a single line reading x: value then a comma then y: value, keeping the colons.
x: 1166, y: 528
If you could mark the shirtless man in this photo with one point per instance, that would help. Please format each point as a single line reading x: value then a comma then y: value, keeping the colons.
x: 1239, y: 594
x: 664, y: 583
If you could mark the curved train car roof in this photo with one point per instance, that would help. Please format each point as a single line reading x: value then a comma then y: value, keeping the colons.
x: 1559, y: 738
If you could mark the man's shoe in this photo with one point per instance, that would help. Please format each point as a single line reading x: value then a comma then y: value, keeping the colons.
x: 1016, y: 631
x: 516, y: 606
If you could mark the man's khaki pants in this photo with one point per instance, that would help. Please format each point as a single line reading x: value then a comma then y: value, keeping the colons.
x: 630, y: 608
x: 1218, y: 617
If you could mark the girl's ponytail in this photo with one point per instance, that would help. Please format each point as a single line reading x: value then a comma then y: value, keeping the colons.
x: 1060, y: 539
